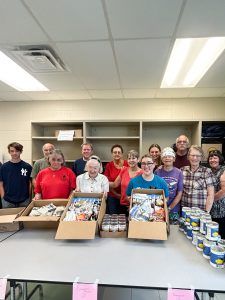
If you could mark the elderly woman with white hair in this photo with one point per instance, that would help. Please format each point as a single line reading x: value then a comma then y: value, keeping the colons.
x: 92, y: 181
x: 174, y: 179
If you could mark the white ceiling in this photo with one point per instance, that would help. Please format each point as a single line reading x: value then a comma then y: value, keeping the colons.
x: 114, y: 49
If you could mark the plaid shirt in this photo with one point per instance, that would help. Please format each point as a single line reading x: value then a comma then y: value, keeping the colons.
x: 195, y: 186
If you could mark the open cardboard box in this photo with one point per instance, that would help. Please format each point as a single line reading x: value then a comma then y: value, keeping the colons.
x: 110, y: 234
x: 149, y: 230
x: 41, y: 221
x: 8, y: 220
x: 80, y: 229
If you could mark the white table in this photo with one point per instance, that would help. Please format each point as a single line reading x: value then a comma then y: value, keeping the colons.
x: 31, y: 255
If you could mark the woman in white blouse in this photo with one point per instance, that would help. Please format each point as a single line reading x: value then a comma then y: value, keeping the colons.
x: 92, y: 181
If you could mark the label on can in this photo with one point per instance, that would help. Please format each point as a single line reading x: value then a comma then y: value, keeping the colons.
x: 195, y: 221
x: 217, y: 257
x: 199, y: 244
x: 184, y: 210
x: 189, y: 232
x: 207, y: 248
x: 212, y: 231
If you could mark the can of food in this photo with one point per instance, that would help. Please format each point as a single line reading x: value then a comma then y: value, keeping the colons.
x: 217, y: 257
x: 212, y: 231
x: 185, y: 228
x: 184, y: 210
x: 194, y: 237
x: 221, y: 243
x: 181, y: 222
x: 189, y: 232
x: 105, y: 226
x: 188, y: 219
x: 122, y: 226
x: 207, y: 248
x: 199, y: 244
x: 195, y: 221
x: 203, y: 221
x: 114, y: 227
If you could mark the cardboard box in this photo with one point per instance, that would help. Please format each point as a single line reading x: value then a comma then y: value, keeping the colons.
x: 80, y: 229
x: 7, y: 219
x: 41, y: 222
x: 149, y: 230
x: 109, y: 234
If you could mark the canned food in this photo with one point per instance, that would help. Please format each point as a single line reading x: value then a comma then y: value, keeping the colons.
x: 184, y: 210
x: 185, y: 228
x: 188, y: 219
x: 199, y: 244
x: 181, y: 224
x: 203, y: 221
x: 217, y: 257
x: 113, y: 227
x: 194, y: 237
x: 122, y: 226
x: 195, y: 221
x: 105, y: 226
x: 212, y: 231
x: 189, y: 232
x: 221, y: 243
x: 207, y: 248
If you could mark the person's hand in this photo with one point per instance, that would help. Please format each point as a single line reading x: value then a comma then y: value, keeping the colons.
x: 37, y: 196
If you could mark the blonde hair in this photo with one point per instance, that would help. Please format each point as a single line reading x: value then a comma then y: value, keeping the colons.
x: 197, y: 148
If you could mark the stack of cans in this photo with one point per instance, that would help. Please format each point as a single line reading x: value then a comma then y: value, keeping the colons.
x: 198, y: 226
x: 114, y: 223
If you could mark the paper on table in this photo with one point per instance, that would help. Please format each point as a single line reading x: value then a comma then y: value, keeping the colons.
x: 176, y: 294
x: 3, y: 284
x: 65, y: 135
x: 85, y: 291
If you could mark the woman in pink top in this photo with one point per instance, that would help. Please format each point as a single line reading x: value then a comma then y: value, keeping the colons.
x: 124, y: 178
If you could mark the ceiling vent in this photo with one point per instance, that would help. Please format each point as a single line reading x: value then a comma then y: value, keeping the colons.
x: 39, y: 59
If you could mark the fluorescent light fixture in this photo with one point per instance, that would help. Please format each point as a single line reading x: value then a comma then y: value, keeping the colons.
x: 15, y: 76
x: 190, y: 60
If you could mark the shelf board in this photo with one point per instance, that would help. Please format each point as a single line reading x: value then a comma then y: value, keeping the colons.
x: 113, y: 137
x: 53, y: 138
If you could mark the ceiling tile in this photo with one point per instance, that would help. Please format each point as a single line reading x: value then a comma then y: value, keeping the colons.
x: 75, y: 95
x: 143, y: 18
x: 14, y: 96
x: 70, y: 20
x: 106, y: 94
x: 17, y: 25
x: 142, y: 62
x: 202, y: 18
x: 207, y: 92
x: 44, y: 95
x: 92, y: 63
x: 173, y: 93
x: 139, y: 93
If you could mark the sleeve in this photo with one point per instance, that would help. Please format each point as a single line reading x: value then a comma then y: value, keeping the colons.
x: 105, y: 184
x: 209, y: 177
x: 72, y: 180
x: 37, y: 188
x: 129, y: 188
x: 180, y: 184
x: 35, y: 170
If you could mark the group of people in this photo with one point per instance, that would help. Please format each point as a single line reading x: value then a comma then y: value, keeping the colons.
x: 177, y: 170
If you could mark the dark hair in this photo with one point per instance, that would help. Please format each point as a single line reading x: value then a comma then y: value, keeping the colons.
x: 154, y: 145
x: 117, y: 146
x: 16, y: 145
x: 218, y: 154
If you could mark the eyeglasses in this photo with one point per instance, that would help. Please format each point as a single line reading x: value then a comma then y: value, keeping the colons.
x: 197, y: 156
x: 182, y: 142
x: 149, y: 164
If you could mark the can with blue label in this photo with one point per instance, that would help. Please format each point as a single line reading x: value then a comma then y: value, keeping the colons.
x: 217, y: 257
x: 188, y: 217
x: 184, y: 211
x: 207, y: 245
x: 195, y: 221
x: 203, y: 221
x: 194, y: 237
x: 200, y: 239
x: 181, y: 224
x: 212, y: 231
x: 221, y: 243
x: 189, y: 232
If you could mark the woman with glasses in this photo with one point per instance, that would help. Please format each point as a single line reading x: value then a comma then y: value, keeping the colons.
x: 112, y: 170
x: 92, y: 181
x: 155, y: 152
x: 148, y: 180
x: 198, y: 190
x: 215, y: 161
x: 123, y: 179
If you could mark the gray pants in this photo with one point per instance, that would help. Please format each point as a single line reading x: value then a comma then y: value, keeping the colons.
x: 6, y: 204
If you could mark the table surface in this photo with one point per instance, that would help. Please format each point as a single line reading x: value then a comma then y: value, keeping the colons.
x: 35, y: 255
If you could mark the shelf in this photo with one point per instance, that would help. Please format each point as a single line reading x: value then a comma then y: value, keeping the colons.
x: 53, y: 138
x: 113, y: 137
